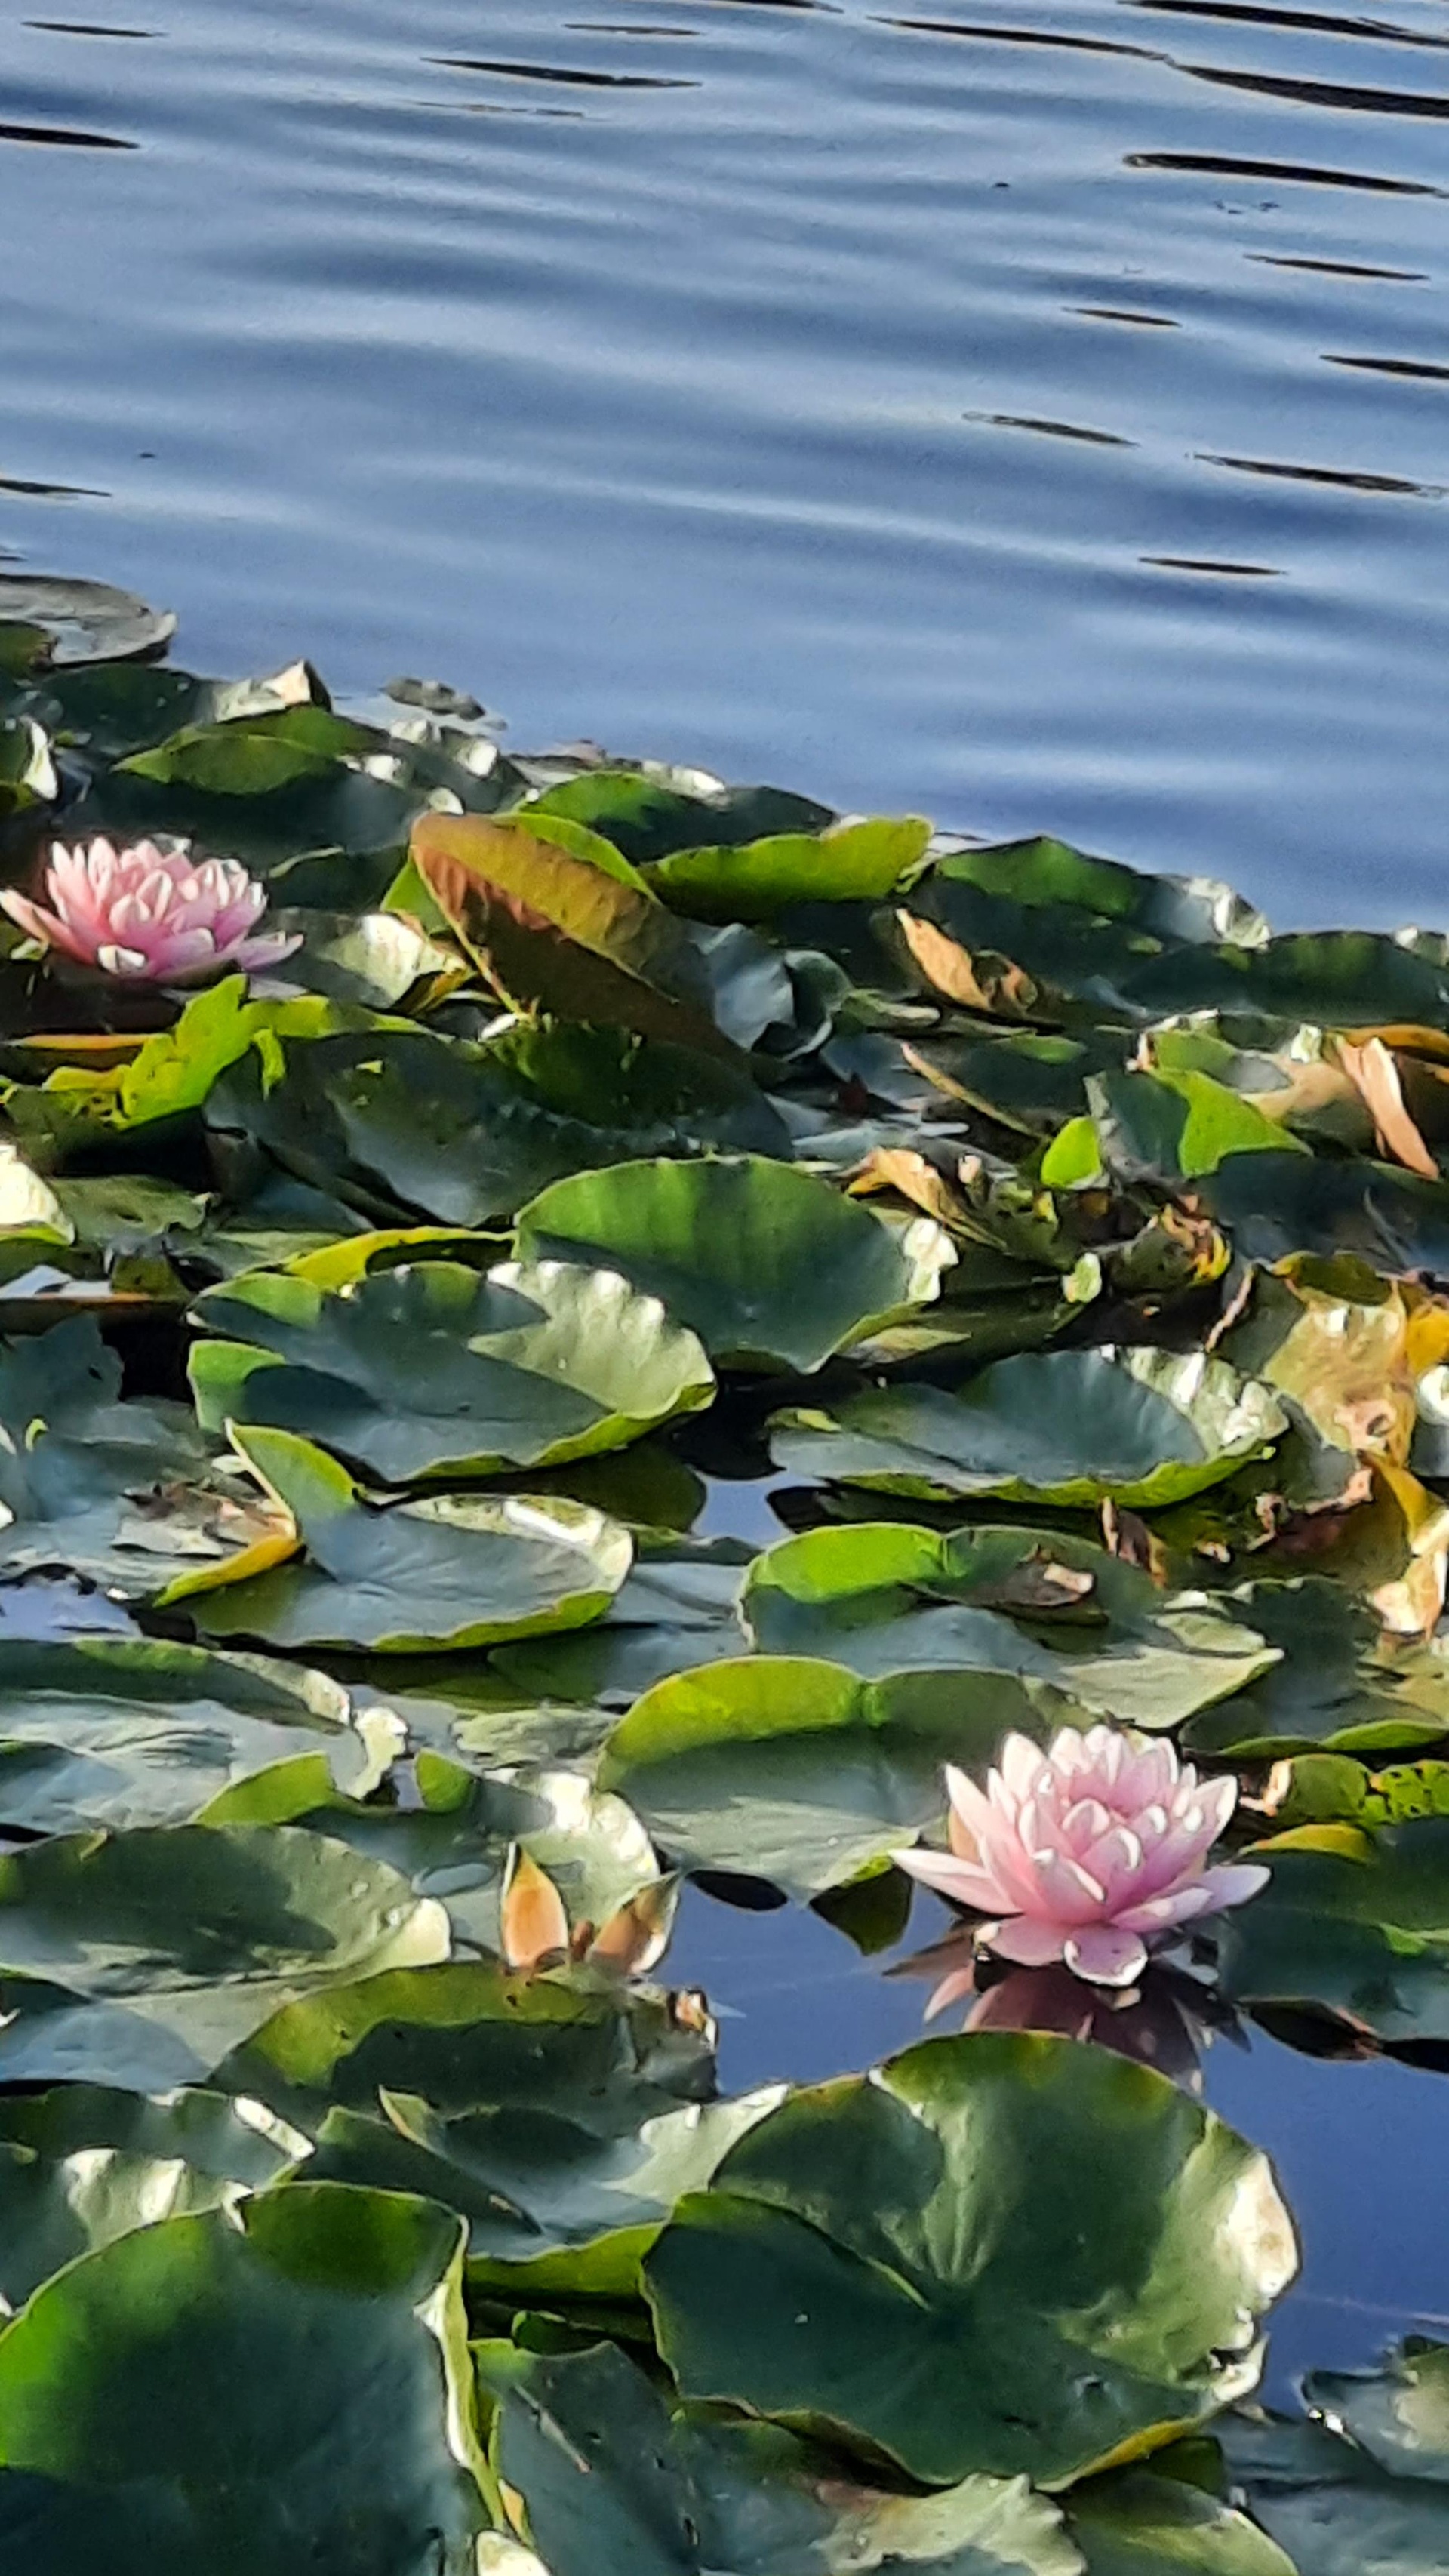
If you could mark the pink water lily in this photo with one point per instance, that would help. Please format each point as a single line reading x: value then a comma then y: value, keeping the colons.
x: 149, y: 913
x: 1087, y: 1852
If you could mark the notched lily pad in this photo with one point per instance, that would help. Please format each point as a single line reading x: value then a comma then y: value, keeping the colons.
x: 893, y: 2258
x: 1138, y: 1427
x: 449, y: 1571
x: 435, y: 1369
x: 769, y: 1265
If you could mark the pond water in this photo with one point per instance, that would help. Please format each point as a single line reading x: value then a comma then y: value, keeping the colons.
x: 1028, y: 411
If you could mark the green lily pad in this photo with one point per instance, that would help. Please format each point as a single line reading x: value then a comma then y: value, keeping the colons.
x: 797, y: 1771
x: 80, y: 1470
x: 757, y: 880
x: 121, y: 1731
x: 1357, y: 1931
x: 1050, y: 875
x: 768, y: 1265
x: 286, y: 2388
x: 1170, y: 1126
x: 143, y: 1958
x: 884, y: 1597
x: 893, y: 2259
x: 83, y: 621
x: 27, y: 769
x: 609, y: 2479
x: 1142, y: 1427
x: 434, y: 1369
x: 470, y: 2036
x: 552, y: 2208
x: 82, y: 2165
x: 410, y: 1578
x: 1399, y: 2415
x: 465, y: 1133
x: 1136, y: 2524
x: 561, y: 934
x: 648, y: 812
x: 1329, y: 2507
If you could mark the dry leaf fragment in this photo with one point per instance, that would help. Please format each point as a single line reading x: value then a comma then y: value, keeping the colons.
x: 1372, y: 1068
x: 980, y: 982
x: 895, y: 1167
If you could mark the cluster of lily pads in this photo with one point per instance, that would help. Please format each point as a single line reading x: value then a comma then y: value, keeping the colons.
x: 384, y: 1320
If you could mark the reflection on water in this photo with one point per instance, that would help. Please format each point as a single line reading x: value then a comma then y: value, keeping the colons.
x: 1028, y: 410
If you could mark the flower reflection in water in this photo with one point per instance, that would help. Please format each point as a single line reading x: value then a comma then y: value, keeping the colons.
x: 1167, y: 2020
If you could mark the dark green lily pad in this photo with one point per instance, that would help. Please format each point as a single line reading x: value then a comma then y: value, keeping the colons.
x: 1142, y: 1427
x: 121, y: 1731
x: 758, y: 880
x: 82, y: 2165
x: 1399, y: 2415
x: 141, y: 1959
x: 83, y: 621
x: 469, y: 2036
x: 1137, y: 2524
x: 894, y: 2259
x: 609, y: 2479
x: 884, y: 1597
x: 409, y: 1578
x: 1341, y: 1680
x: 1357, y: 1930
x: 553, y: 2209
x: 287, y: 2389
x: 434, y: 1369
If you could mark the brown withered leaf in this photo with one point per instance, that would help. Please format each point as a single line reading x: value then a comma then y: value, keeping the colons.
x: 1373, y: 1069
x: 896, y: 1167
x: 1126, y: 1535
x: 982, y: 981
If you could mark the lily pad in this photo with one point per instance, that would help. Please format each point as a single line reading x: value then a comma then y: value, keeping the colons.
x: 121, y: 1731
x: 559, y: 933
x: 469, y: 2036
x: 1399, y: 2415
x: 433, y: 1369
x: 552, y: 2208
x: 1140, y: 1427
x: 884, y: 1597
x: 408, y: 1578
x: 647, y: 812
x: 84, y: 1477
x: 758, y: 880
x: 465, y: 1133
x: 609, y: 2479
x: 83, y: 621
x: 1327, y: 2504
x: 143, y: 1958
x: 767, y: 1264
x: 286, y: 2387
x: 893, y: 2259
x: 82, y: 2165
x: 796, y: 1771
x: 1356, y: 1929
x: 1341, y: 1680
x: 1137, y: 2524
